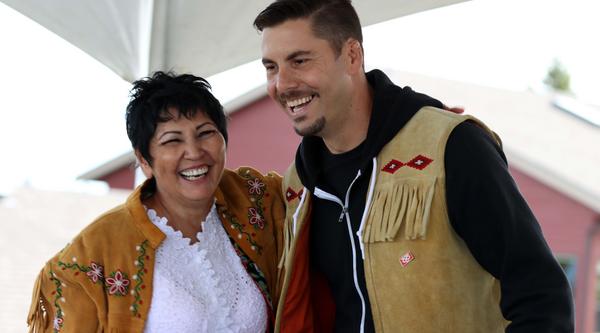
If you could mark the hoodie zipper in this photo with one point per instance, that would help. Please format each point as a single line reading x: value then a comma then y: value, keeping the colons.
x: 330, y: 197
x: 363, y: 220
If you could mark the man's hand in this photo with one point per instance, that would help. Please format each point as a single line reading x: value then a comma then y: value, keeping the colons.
x: 456, y: 109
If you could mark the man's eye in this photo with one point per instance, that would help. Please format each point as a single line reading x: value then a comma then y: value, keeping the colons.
x: 300, y: 61
x: 269, y: 68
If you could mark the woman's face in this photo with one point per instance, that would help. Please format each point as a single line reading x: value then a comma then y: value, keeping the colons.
x: 188, y: 158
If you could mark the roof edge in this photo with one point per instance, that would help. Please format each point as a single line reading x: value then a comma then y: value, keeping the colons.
x: 245, y: 99
x: 548, y: 177
x: 108, y: 167
x: 118, y: 162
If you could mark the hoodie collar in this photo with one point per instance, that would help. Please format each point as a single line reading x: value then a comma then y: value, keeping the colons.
x: 393, y: 107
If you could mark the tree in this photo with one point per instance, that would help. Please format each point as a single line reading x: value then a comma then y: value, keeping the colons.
x: 558, y: 78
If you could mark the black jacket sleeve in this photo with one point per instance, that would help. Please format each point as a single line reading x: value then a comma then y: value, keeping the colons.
x: 488, y: 212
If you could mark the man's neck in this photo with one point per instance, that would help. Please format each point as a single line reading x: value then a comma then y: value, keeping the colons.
x: 355, y: 129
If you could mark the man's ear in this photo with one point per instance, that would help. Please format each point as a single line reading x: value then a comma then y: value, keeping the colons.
x: 355, y: 55
x: 144, y: 165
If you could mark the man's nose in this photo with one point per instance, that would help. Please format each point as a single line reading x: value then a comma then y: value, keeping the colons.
x: 286, y: 80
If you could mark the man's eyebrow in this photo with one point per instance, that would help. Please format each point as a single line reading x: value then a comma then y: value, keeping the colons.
x: 297, y: 54
x: 267, y: 61
x: 291, y: 56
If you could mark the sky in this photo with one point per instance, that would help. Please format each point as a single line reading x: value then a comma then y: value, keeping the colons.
x: 62, y: 112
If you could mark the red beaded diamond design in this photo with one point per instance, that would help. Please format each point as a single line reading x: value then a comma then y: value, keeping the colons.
x: 392, y: 166
x: 291, y: 194
x: 420, y: 162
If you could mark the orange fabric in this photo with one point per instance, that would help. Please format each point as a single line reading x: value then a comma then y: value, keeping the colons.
x: 309, y: 306
x: 323, y: 303
x: 297, y: 313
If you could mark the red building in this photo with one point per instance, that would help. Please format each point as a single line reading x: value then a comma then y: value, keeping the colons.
x: 549, y: 150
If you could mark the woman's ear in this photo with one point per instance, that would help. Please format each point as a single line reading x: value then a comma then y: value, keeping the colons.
x: 145, y: 165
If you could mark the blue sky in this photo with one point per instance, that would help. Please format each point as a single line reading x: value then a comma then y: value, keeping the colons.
x: 63, y: 112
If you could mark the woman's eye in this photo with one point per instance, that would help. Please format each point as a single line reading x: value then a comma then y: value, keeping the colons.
x: 207, y: 133
x: 171, y: 141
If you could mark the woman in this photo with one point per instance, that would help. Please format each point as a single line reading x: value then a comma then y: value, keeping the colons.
x: 193, y: 249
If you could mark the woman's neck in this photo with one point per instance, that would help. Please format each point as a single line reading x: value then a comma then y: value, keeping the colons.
x: 186, y: 218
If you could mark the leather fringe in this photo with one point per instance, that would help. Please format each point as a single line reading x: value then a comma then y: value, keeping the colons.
x: 407, y: 204
x: 37, y: 319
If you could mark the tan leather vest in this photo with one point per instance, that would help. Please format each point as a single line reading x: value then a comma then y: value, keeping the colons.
x: 419, y: 273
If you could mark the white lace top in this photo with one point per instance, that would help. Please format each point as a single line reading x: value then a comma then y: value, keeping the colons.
x: 202, y: 287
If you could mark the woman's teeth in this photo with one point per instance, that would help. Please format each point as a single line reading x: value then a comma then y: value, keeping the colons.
x: 192, y: 174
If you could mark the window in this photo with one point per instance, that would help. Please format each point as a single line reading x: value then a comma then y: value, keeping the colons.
x: 569, y: 265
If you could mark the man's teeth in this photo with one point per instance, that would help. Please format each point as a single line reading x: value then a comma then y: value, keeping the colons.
x: 299, y: 101
x: 194, y: 173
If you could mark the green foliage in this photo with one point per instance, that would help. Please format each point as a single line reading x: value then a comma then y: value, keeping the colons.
x: 558, y: 78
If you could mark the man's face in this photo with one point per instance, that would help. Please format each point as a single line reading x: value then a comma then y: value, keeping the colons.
x: 306, y: 77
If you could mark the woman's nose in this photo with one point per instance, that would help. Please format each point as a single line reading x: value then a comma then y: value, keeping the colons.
x: 194, y: 150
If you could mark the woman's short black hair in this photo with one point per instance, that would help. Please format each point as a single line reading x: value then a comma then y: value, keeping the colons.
x: 153, y: 96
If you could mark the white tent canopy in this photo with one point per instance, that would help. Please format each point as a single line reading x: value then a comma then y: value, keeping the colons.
x: 136, y: 37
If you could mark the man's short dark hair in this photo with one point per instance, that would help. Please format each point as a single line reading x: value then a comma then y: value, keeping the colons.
x: 153, y: 96
x: 333, y: 20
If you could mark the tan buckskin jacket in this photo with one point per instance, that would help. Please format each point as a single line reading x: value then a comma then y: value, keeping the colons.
x: 102, y: 280
x: 419, y: 274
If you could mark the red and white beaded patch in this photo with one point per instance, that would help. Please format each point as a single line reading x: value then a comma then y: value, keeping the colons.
x: 419, y: 162
x: 392, y: 166
x: 291, y: 194
x: 406, y: 258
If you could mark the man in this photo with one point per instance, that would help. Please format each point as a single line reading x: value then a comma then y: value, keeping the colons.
x: 401, y: 217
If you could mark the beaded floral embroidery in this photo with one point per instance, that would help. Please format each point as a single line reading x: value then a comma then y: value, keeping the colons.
x: 116, y: 284
x: 58, y: 297
x: 255, y: 190
x: 240, y: 228
x: 255, y: 218
x: 95, y: 272
x: 138, y: 277
x: 254, y: 272
x: 255, y: 186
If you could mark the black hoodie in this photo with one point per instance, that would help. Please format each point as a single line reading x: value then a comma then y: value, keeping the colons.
x: 484, y: 206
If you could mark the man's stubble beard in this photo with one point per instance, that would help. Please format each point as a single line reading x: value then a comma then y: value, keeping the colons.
x: 313, y: 130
